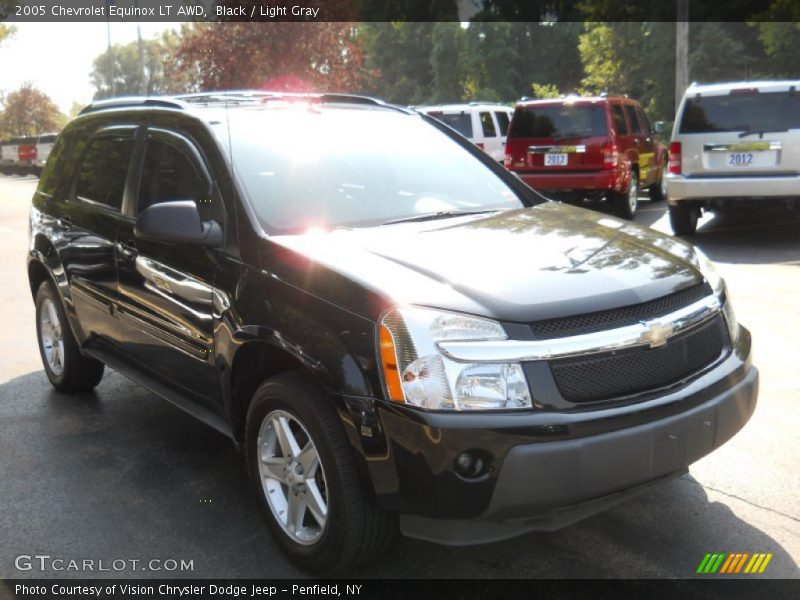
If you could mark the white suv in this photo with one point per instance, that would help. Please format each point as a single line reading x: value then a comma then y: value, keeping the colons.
x: 734, y: 144
x: 484, y: 124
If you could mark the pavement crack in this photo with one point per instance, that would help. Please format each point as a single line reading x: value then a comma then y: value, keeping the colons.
x: 745, y: 500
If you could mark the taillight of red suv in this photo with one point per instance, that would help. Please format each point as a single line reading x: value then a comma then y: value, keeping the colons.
x: 610, y: 155
x: 675, y: 158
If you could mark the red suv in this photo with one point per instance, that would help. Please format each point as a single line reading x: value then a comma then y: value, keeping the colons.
x: 588, y: 148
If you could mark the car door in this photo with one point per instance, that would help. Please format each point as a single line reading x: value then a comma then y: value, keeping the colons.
x: 653, y: 145
x: 642, y: 146
x: 502, y: 118
x: 166, y: 289
x: 623, y: 139
x: 86, y: 225
x: 491, y: 141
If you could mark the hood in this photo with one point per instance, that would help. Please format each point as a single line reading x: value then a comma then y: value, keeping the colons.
x: 521, y: 265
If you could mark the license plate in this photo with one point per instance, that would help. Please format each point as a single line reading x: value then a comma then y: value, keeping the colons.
x: 555, y: 160
x: 741, y: 159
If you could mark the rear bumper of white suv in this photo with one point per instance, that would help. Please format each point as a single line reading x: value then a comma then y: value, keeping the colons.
x: 680, y: 187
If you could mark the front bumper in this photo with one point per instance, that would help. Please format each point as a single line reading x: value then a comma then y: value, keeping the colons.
x: 547, y: 469
x: 543, y: 487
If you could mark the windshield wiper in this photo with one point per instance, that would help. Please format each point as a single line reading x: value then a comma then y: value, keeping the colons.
x: 442, y: 214
x: 747, y: 132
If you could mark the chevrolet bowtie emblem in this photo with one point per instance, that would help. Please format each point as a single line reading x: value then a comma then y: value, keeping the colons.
x: 657, y: 334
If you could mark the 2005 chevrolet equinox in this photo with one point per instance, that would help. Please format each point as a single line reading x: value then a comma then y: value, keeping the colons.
x: 396, y: 330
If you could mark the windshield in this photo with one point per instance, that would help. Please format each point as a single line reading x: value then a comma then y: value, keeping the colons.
x: 327, y: 167
x: 771, y: 111
x: 558, y: 121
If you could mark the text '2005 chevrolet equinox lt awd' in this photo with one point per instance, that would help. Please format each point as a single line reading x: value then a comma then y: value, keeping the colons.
x: 396, y: 330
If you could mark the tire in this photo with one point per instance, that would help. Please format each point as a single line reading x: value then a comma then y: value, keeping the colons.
x: 352, y: 530
x: 658, y: 191
x: 624, y: 204
x: 683, y: 218
x: 67, y: 369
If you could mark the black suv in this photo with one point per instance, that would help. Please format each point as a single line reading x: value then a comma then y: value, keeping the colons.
x: 394, y: 328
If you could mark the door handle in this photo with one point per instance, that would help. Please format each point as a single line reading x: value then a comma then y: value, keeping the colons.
x: 174, y: 282
x: 127, y: 250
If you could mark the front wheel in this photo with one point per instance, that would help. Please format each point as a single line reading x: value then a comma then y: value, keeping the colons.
x: 303, y: 471
x: 67, y: 369
x: 625, y: 203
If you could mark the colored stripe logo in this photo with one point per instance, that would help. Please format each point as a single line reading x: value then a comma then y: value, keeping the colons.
x: 734, y: 562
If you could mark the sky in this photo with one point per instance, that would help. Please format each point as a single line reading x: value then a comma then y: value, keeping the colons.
x: 57, y: 57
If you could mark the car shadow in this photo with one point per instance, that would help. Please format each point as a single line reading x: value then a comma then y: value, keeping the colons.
x: 768, y: 236
x: 121, y: 474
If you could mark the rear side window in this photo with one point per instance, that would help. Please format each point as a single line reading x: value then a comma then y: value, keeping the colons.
x: 487, y: 125
x: 744, y: 111
x: 101, y: 177
x: 558, y: 121
x: 630, y: 112
x: 644, y: 122
x: 502, y: 122
x: 169, y: 174
x: 461, y: 122
x: 619, y: 119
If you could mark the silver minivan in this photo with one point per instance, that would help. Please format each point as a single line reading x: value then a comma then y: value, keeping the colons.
x: 734, y: 144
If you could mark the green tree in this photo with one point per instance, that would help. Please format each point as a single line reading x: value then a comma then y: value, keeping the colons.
x: 492, y: 63
x: 400, y: 56
x: 447, y: 63
x: 28, y: 111
x: 781, y: 44
x: 118, y: 71
x: 633, y: 58
x: 717, y: 52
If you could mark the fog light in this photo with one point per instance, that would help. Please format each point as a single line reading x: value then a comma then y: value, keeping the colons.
x: 473, y: 464
x: 465, y: 463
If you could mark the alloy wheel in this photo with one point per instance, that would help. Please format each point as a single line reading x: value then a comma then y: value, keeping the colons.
x: 51, y: 336
x: 293, y: 477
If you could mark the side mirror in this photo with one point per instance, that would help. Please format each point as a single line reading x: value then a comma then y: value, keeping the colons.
x: 178, y: 222
x: 659, y: 127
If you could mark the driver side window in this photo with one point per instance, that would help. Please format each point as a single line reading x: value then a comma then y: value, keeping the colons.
x: 169, y: 174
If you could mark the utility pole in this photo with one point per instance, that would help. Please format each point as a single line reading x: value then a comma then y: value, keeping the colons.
x: 110, y: 50
x: 681, y: 51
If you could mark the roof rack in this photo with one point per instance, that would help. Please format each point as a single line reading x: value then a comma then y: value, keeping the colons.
x: 132, y: 102
x: 184, y: 101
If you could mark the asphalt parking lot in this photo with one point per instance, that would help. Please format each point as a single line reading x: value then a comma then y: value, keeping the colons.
x: 121, y: 474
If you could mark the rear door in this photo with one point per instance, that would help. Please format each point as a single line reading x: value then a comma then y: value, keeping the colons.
x: 642, y: 146
x: 166, y: 289
x: 491, y: 142
x: 741, y: 132
x: 502, y: 118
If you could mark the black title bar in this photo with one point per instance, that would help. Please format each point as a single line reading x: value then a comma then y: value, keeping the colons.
x: 394, y: 10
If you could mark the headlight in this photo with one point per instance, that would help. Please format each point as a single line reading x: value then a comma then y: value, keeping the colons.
x: 717, y: 283
x: 417, y: 373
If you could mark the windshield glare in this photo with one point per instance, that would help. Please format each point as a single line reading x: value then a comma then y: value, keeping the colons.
x: 771, y: 111
x: 328, y: 167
